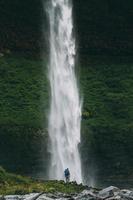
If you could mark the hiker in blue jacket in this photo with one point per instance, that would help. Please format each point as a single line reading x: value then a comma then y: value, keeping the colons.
x: 67, y: 175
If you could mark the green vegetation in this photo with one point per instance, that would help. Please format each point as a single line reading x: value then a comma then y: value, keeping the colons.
x: 106, y: 84
x: 23, y: 108
x: 15, y: 184
x: 102, y: 28
x: 107, y: 115
x: 23, y: 85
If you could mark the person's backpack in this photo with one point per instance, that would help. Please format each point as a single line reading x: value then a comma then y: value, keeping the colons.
x: 66, y: 172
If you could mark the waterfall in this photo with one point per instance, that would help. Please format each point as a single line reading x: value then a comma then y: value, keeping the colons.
x: 65, y: 106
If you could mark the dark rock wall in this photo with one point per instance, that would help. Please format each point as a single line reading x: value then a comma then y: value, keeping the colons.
x: 105, y: 27
x: 20, y: 24
x: 102, y: 27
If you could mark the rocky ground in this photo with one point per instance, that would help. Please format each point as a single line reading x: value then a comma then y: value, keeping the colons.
x: 110, y: 193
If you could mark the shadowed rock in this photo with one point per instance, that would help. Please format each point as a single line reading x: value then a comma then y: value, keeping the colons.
x: 109, y: 193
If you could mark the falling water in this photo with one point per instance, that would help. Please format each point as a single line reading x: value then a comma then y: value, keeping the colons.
x: 65, y: 108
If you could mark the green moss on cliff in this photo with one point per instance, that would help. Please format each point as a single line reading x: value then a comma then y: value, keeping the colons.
x: 106, y: 84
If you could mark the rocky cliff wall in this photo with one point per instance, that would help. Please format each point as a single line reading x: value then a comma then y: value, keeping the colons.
x: 102, y: 27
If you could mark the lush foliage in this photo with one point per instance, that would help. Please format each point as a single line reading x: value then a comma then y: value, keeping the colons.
x: 23, y: 108
x: 15, y: 184
x: 106, y: 84
x: 107, y: 116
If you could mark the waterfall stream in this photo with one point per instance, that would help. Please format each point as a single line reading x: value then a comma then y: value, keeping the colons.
x: 65, y: 106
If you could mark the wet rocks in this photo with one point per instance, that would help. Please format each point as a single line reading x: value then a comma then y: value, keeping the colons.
x: 126, y: 194
x: 22, y: 197
x: 114, y: 193
x: 109, y: 193
x: 86, y: 195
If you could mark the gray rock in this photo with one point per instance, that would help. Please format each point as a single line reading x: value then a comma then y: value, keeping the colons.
x: 44, y: 198
x: 108, y: 192
x: 114, y: 198
x: 126, y: 194
x: 12, y: 197
x: 85, y: 195
x: 33, y: 196
x: 22, y: 197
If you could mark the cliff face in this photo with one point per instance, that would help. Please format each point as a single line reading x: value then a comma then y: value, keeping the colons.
x: 102, y: 27
x: 20, y: 24
x: 105, y: 27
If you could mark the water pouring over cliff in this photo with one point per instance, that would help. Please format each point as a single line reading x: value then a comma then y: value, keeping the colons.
x: 65, y: 105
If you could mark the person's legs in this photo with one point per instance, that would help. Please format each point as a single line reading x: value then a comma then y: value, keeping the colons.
x: 67, y: 179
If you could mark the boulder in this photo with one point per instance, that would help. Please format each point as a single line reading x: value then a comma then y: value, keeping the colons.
x: 114, y: 198
x: 13, y: 197
x: 44, y: 197
x: 108, y: 192
x: 32, y: 196
x: 126, y: 194
x: 86, y: 195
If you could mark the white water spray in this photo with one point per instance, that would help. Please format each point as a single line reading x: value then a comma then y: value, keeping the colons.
x: 65, y: 108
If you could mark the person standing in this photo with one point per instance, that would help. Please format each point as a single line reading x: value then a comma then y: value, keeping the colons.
x: 67, y: 175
